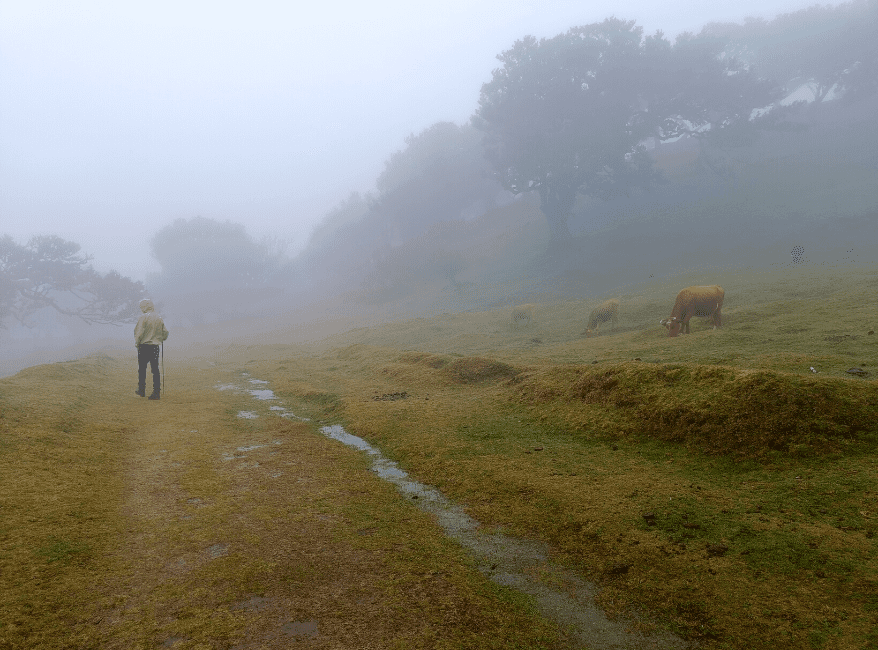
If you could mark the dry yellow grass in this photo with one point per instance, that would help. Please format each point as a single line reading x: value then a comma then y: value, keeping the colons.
x: 578, y: 476
x: 758, y: 472
x: 716, y: 483
x: 132, y: 524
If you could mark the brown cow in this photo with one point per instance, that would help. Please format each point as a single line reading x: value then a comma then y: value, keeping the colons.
x: 695, y: 301
x: 606, y: 311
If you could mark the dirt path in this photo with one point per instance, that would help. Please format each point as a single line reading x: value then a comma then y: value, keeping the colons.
x: 259, y: 532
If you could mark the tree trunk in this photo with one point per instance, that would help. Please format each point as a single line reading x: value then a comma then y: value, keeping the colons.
x: 557, y: 204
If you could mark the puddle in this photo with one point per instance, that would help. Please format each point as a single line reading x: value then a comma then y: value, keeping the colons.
x: 262, y: 393
x: 254, y: 604
x: 507, y: 561
x: 217, y: 550
x: 247, y: 415
x: 294, y: 417
x: 301, y: 628
x: 513, y: 562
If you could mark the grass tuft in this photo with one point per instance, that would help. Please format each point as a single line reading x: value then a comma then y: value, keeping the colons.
x: 474, y: 370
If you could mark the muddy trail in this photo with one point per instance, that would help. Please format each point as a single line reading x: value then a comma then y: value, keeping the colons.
x: 252, y: 530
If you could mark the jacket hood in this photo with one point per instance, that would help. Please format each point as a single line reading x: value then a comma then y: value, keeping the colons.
x: 146, y: 305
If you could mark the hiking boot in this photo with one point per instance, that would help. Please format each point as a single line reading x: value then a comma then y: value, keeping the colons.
x: 155, y: 395
x: 141, y: 392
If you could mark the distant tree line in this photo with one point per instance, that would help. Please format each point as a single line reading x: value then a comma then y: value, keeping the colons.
x: 569, y: 117
x: 563, y: 118
x: 437, y: 177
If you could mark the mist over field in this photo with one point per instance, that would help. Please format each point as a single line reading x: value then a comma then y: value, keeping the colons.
x: 417, y: 266
x: 748, y: 144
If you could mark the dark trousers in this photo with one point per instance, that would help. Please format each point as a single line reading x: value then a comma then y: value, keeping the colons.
x: 148, y: 354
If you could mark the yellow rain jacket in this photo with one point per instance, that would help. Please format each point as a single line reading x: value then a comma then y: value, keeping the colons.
x: 150, y: 327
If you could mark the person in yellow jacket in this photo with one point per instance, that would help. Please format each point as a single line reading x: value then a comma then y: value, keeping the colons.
x: 149, y: 333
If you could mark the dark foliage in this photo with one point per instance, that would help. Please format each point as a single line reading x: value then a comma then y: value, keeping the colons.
x: 50, y: 272
x: 570, y: 114
x: 214, y: 270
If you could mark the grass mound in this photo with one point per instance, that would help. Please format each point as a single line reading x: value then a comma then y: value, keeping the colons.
x: 719, y: 410
x: 474, y: 370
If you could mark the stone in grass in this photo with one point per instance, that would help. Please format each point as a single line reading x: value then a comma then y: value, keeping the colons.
x: 618, y: 569
x: 717, y: 550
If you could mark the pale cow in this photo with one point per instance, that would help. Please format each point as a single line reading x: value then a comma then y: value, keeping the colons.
x: 695, y: 301
x: 606, y: 311
x: 522, y: 315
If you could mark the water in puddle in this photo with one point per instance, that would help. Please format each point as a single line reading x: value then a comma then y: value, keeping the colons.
x: 301, y: 629
x: 507, y: 561
x: 293, y: 416
x: 253, y: 604
x: 217, y: 550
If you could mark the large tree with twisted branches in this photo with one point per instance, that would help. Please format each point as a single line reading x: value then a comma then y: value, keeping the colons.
x: 50, y: 272
x: 571, y: 114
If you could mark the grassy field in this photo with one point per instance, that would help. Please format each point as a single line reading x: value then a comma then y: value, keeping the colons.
x: 712, y: 481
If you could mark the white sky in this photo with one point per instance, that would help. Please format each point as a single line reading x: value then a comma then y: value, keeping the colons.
x: 117, y: 117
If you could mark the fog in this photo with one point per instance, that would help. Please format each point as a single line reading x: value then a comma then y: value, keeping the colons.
x: 120, y: 124
x: 117, y: 119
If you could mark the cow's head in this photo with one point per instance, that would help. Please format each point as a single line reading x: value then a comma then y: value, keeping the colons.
x: 673, y: 325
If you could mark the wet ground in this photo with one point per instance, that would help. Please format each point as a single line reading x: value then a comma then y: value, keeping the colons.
x: 525, y: 565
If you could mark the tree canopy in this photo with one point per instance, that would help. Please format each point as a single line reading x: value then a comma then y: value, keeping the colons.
x: 213, y: 270
x: 441, y: 171
x: 204, y: 254
x: 50, y: 272
x: 571, y: 114
x: 831, y: 49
